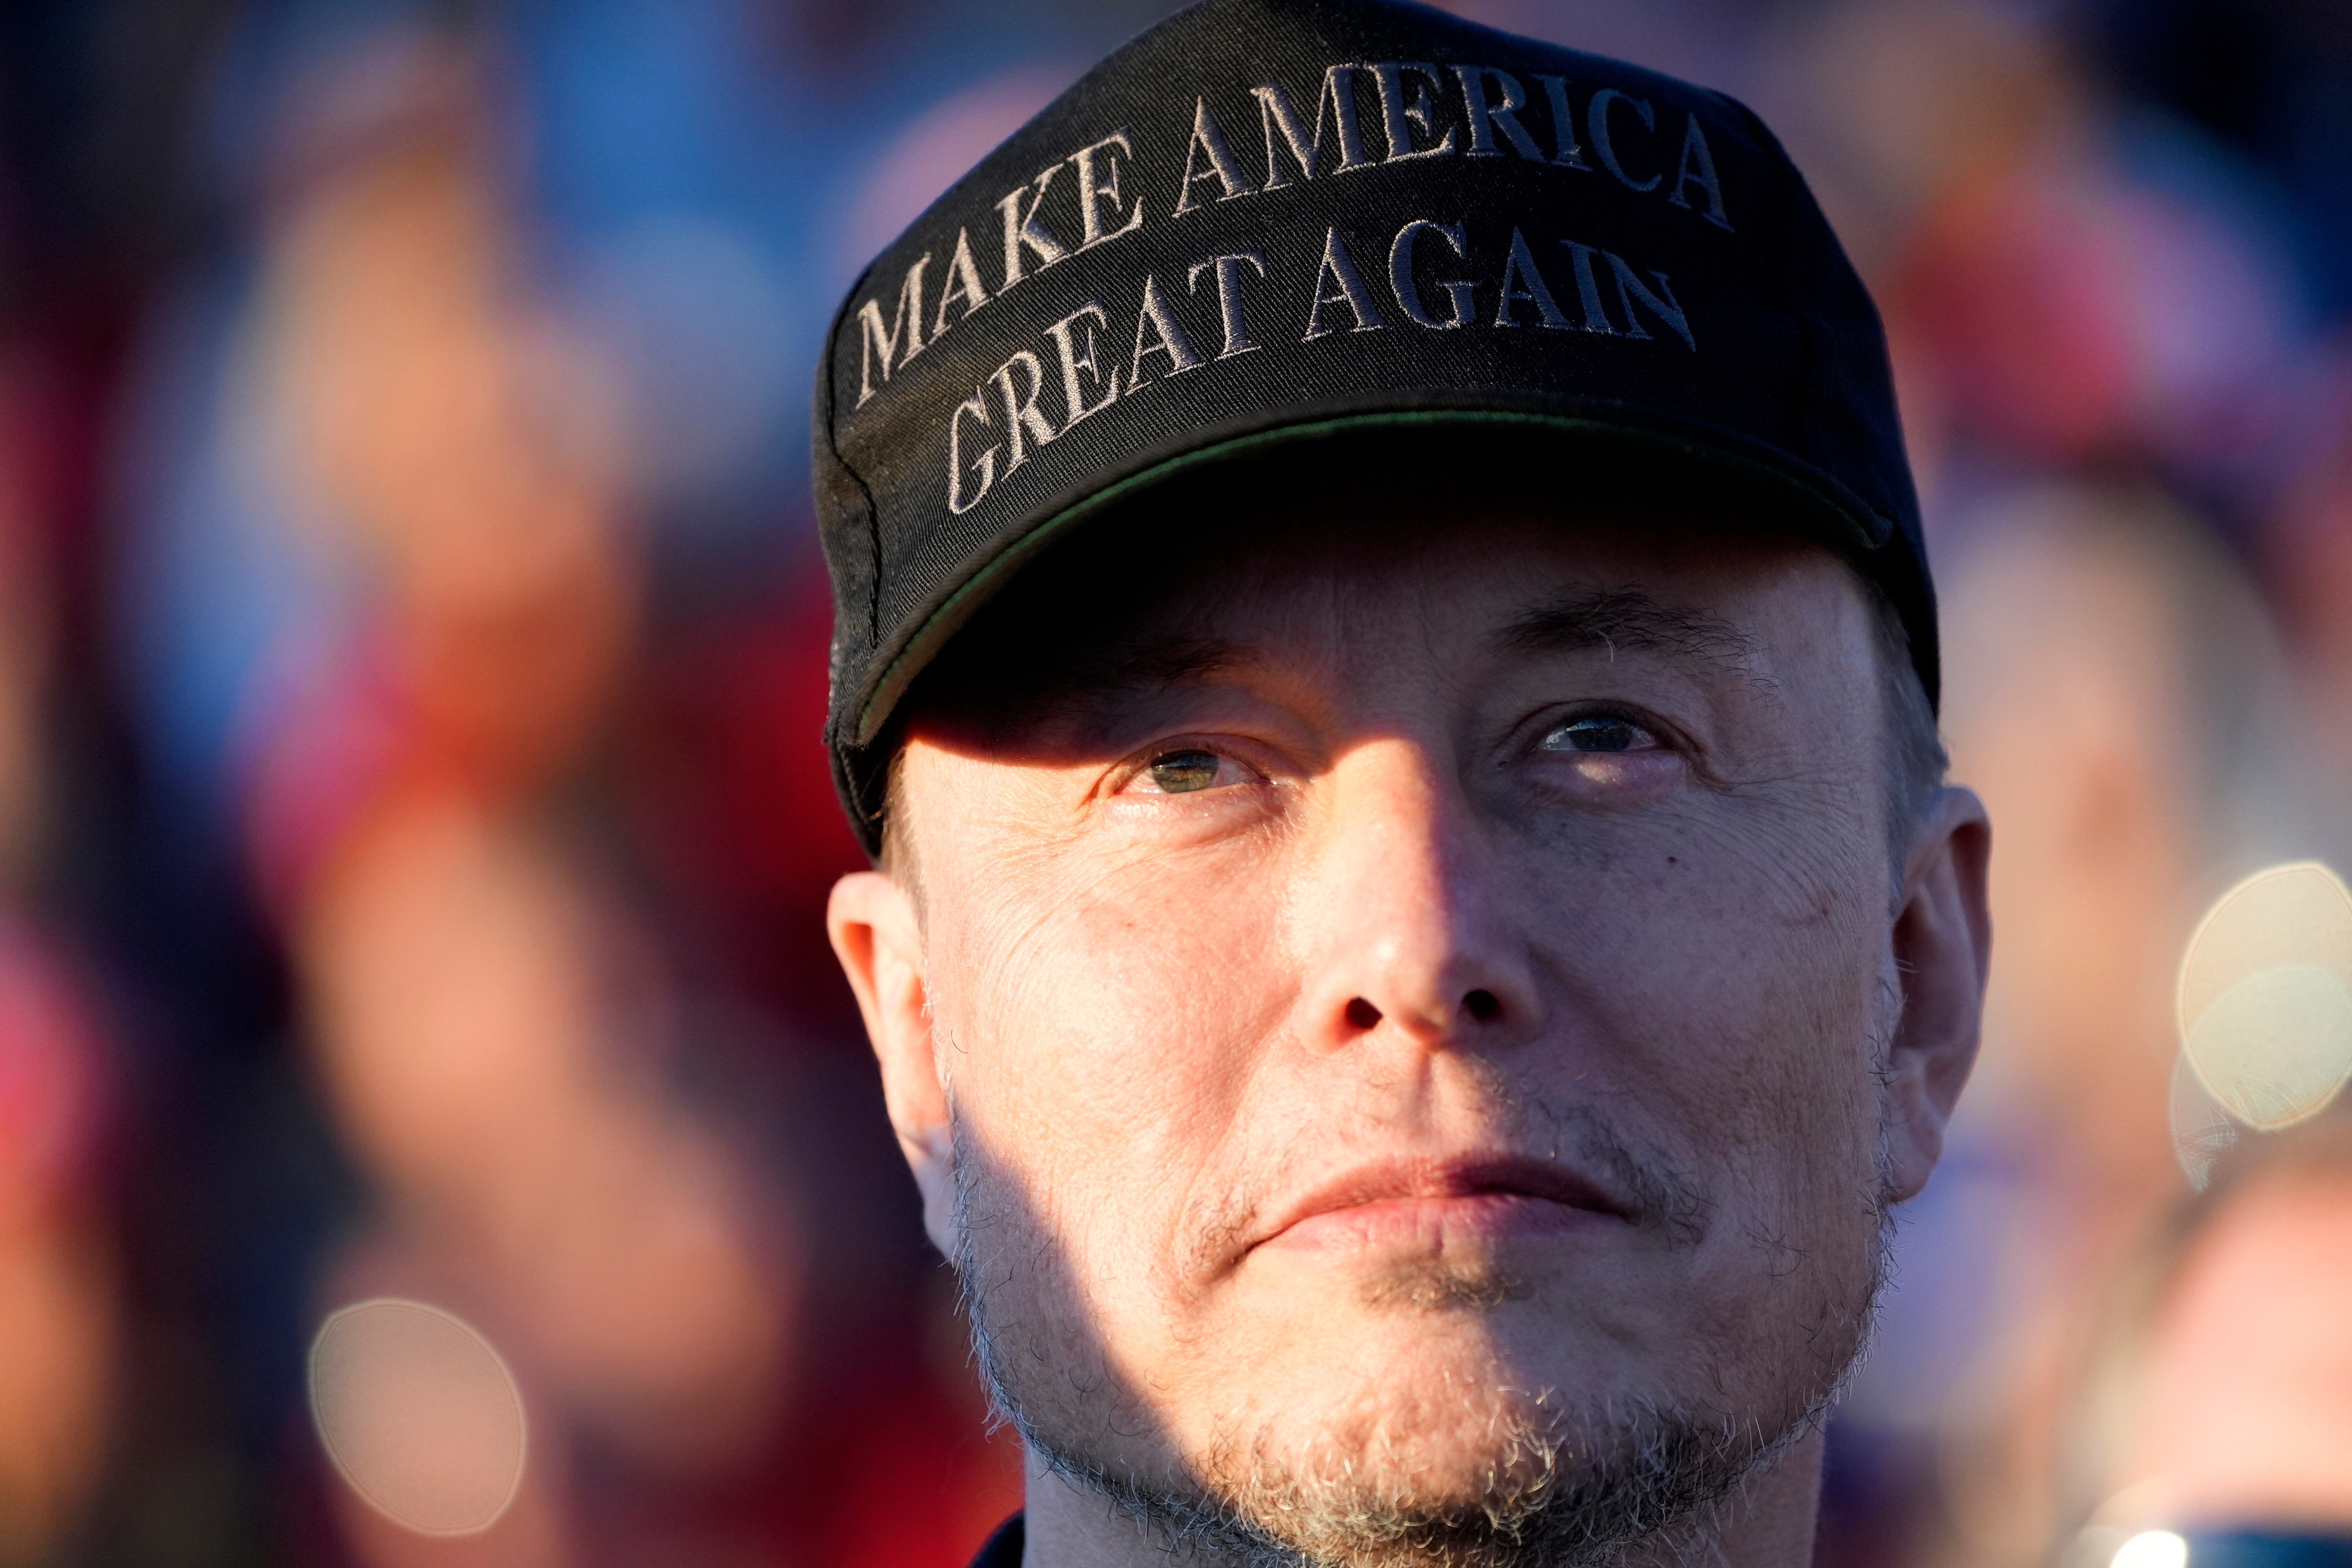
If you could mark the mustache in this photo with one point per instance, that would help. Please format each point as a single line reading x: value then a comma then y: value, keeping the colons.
x: 1648, y: 1187
x: 1662, y: 1194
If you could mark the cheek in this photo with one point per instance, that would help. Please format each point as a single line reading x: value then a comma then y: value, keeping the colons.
x: 1743, y: 1045
x: 1799, y: 1130
x: 1106, y: 1033
x: 1733, y: 983
x: 1796, y: 1104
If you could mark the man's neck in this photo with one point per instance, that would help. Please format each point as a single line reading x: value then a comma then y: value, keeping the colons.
x: 1768, y: 1523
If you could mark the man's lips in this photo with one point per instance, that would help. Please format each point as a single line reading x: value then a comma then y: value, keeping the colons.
x: 1487, y: 1195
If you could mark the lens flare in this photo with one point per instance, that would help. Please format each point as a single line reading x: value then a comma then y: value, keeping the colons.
x: 2266, y: 999
x: 419, y: 1414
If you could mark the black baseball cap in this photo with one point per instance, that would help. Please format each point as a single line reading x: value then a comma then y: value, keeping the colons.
x: 1269, y: 223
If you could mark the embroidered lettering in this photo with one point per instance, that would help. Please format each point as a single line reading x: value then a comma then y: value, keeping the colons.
x: 1280, y: 118
x: 1662, y: 304
x: 1095, y: 185
x: 1402, y: 110
x: 878, y: 341
x: 1208, y: 141
x: 1022, y: 416
x: 957, y: 501
x: 1522, y: 281
x: 1081, y: 362
x: 1347, y: 289
x: 1486, y: 118
x: 1596, y: 121
x: 1022, y: 232
x: 1407, y: 292
x: 1228, y: 270
x: 1588, y: 290
x: 1563, y: 124
x: 1159, y: 321
x: 963, y: 283
x: 1697, y: 167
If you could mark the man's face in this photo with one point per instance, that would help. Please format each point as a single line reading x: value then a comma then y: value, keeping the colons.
x: 1415, y: 1005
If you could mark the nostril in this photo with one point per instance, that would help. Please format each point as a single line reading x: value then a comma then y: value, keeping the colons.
x: 1483, y: 1005
x: 1362, y: 1014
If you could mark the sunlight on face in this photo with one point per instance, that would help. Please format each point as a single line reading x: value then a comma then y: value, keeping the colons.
x: 1411, y: 1025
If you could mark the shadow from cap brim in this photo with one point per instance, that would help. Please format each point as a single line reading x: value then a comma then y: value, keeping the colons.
x: 1509, y: 447
x: 1537, y: 463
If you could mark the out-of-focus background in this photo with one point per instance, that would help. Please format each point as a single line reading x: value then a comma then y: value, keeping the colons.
x: 414, y: 832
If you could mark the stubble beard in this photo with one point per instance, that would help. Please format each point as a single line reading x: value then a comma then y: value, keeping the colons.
x: 1563, y: 1485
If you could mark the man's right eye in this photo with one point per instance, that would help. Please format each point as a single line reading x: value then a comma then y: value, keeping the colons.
x: 1182, y: 773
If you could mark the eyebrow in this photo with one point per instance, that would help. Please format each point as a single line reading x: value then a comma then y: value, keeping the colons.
x: 1154, y: 664
x: 1615, y: 618
x: 1162, y: 662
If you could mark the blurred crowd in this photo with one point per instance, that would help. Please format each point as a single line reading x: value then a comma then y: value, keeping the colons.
x: 415, y: 831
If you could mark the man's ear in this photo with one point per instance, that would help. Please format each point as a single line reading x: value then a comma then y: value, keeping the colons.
x: 880, y: 944
x: 1943, y: 940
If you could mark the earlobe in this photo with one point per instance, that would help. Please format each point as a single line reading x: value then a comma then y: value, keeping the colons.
x: 1942, y: 941
x: 878, y: 940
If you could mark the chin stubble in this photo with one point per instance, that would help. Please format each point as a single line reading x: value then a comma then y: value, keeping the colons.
x: 1564, y: 1488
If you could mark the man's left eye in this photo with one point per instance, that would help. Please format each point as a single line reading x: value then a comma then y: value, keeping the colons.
x: 1599, y: 732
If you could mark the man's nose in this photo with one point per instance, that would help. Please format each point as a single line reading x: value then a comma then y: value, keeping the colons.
x: 1404, y: 912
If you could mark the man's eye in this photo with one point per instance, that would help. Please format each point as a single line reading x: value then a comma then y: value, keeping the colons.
x: 1599, y: 732
x: 1180, y: 773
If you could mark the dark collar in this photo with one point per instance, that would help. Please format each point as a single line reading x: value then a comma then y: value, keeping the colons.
x: 1003, y: 1548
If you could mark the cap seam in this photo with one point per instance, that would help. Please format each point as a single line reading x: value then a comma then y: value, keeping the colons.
x: 833, y: 443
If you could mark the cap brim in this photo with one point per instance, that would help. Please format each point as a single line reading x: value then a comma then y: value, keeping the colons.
x: 1808, y: 504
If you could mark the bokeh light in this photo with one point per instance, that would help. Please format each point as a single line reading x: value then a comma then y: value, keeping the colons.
x: 2152, y: 1548
x: 2265, y: 996
x: 419, y: 1414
